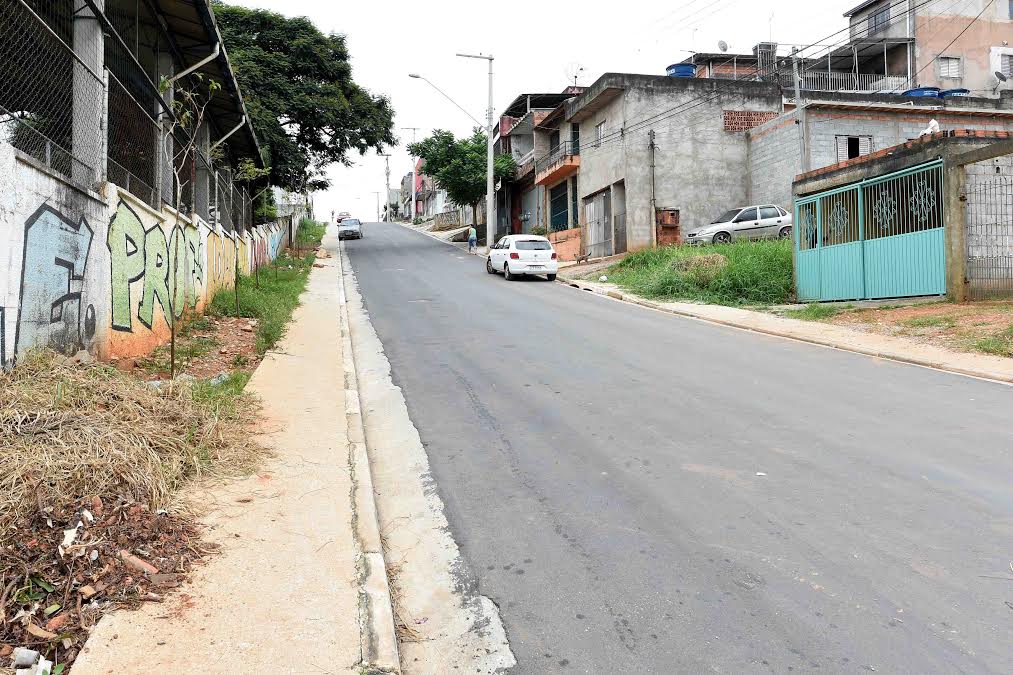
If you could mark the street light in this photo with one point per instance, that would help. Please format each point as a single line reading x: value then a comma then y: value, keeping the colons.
x: 425, y: 79
x: 490, y: 196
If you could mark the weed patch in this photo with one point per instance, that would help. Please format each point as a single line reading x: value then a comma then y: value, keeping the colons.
x: 1000, y: 344
x: 740, y: 273
x: 813, y: 312
x: 938, y: 321
x: 272, y: 295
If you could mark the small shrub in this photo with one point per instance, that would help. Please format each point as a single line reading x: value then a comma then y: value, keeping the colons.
x: 538, y: 230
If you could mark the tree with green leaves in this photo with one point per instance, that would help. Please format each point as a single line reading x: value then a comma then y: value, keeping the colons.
x: 459, y: 165
x: 307, y: 110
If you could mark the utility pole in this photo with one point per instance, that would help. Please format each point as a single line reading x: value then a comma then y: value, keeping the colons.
x: 377, y: 193
x: 386, y: 195
x: 652, y: 146
x: 490, y: 186
x: 800, y: 109
x: 414, y: 208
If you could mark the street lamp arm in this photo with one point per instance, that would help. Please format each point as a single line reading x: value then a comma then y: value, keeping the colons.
x: 444, y: 94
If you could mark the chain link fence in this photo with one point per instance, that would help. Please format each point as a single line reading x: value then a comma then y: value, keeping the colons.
x: 91, y: 123
x: 48, y: 94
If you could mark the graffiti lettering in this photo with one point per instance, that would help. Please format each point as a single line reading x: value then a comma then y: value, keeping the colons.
x: 52, y: 275
x: 3, y: 343
x: 172, y: 271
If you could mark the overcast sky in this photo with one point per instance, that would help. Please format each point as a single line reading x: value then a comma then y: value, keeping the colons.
x: 537, y: 46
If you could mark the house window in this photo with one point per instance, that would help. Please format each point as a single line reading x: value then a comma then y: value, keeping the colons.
x: 553, y: 140
x: 879, y: 21
x: 1006, y: 64
x: 1009, y: 10
x: 599, y: 133
x: 849, y: 147
x: 949, y: 66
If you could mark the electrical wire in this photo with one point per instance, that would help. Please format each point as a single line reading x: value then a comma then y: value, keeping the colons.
x: 707, y: 98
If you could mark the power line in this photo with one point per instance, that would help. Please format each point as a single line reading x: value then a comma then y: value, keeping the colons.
x: 707, y: 98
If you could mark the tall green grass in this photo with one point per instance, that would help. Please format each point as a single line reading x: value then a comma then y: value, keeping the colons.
x: 755, y: 273
x: 272, y: 295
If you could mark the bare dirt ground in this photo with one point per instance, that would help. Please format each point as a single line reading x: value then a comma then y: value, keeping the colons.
x: 985, y: 327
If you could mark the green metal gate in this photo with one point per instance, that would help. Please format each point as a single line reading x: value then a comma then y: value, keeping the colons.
x: 879, y: 238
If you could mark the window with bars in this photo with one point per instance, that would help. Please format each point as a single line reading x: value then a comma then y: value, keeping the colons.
x: 949, y: 66
x: 879, y: 21
x: 599, y: 133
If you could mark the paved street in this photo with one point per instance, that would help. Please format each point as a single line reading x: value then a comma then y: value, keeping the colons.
x: 642, y: 493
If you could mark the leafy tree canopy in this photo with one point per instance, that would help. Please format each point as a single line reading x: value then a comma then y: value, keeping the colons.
x: 297, y: 82
x: 458, y: 165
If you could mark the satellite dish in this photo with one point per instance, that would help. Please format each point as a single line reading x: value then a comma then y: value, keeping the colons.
x: 1000, y: 76
x: 722, y: 45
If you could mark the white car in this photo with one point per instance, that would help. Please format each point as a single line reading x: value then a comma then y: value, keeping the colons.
x: 762, y: 221
x: 516, y: 255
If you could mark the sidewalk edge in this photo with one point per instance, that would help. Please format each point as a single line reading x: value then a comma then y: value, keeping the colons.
x: 833, y: 344
x: 378, y: 637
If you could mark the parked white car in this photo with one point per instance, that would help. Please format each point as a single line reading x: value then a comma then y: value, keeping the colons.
x: 516, y: 255
x: 761, y: 221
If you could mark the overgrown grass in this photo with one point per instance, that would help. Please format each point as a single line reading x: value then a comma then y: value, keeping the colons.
x: 309, y: 234
x: 751, y: 273
x: 226, y: 397
x: 272, y: 295
x: 1000, y: 344
x: 938, y: 321
x: 814, y: 312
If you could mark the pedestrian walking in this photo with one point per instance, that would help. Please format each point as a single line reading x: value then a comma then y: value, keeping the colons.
x: 472, y: 239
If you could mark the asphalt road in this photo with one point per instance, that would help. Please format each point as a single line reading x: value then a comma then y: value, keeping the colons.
x: 643, y: 493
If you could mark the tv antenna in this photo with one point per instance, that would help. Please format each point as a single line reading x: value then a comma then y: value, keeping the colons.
x: 723, y: 46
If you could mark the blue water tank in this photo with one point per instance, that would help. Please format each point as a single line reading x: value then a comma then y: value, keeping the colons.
x: 681, y: 70
x: 930, y: 92
x: 954, y: 92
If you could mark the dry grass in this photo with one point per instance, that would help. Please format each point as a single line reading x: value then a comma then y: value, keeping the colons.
x: 71, y: 431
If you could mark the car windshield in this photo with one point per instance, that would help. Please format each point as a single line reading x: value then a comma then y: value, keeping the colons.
x: 532, y: 245
x: 727, y: 216
x: 349, y: 221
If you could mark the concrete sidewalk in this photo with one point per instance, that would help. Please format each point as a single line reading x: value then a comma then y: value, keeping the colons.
x: 838, y: 337
x: 291, y: 590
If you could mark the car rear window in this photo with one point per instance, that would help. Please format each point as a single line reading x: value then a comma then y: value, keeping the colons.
x: 532, y: 245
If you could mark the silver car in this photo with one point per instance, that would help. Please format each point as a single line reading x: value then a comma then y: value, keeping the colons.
x: 350, y: 228
x: 762, y: 221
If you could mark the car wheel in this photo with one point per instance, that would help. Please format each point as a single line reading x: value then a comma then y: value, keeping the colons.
x: 785, y: 233
x: 722, y: 238
x: 488, y: 267
x: 550, y: 277
x: 506, y: 272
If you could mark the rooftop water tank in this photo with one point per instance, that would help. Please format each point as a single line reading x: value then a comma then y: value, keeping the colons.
x: 681, y: 70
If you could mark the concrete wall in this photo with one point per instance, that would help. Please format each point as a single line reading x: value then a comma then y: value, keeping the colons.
x: 100, y: 271
x: 979, y: 47
x: 774, y: 152
x: 701, y: 168
x: 774, y: 160
x: 566, y: 243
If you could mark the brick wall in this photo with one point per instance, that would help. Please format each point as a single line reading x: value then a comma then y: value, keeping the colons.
x: 744, y: 120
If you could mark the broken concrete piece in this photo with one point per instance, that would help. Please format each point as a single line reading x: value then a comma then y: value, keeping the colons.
x: 24, y: 657
x: 87, y: 591
x: 137, y: 563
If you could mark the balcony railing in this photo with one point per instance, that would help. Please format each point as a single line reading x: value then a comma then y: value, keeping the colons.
x: 564, y: 149
x: 813, y: 80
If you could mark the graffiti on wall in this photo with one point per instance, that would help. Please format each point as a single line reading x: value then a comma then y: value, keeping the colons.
x: 52, y: 279
x: 171, y: 271
x: 3, y: 342
x: 221, y: 265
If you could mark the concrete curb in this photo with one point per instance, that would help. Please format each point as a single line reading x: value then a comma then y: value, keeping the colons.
x: 823, y: 342
x: 378, y: 637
